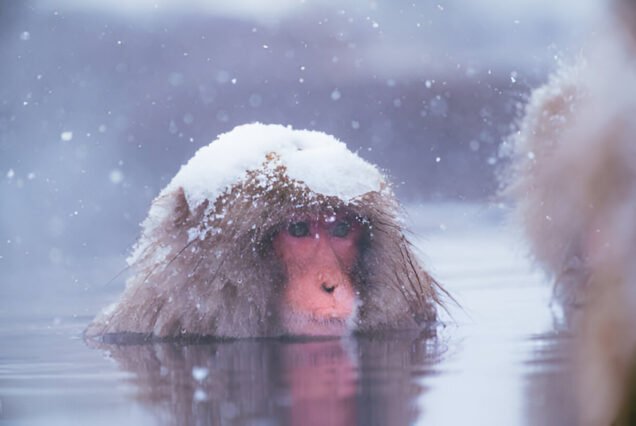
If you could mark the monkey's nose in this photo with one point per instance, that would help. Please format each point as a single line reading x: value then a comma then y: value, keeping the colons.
x: 328, y: 288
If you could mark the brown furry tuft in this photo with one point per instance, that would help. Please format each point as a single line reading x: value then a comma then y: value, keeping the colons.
x: 538, y: 180
x: 574, y: 181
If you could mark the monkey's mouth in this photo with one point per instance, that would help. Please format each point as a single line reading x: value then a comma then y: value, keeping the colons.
x: 316, y: 324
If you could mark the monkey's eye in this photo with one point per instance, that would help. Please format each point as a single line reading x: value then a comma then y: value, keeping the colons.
x: 341, y: 229
x: 298, y: 229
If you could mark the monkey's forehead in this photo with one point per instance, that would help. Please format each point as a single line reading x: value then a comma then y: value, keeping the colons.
x: 320, y: 161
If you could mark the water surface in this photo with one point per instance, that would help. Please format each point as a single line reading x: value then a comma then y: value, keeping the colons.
x: 499, y: 359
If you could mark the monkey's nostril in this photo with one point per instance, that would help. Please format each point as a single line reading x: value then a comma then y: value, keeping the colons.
x: 328, y: 288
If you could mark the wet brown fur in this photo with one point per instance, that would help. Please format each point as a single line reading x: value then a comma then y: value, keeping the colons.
x: 227, y: 283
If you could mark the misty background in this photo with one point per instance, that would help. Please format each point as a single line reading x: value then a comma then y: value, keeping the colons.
x: 101, y: 102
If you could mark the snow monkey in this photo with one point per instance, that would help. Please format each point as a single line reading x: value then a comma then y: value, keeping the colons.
x: 574, y: 180
x: 270, y: 231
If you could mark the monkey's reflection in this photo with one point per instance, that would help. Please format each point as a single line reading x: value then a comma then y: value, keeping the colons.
x: 271, y: 381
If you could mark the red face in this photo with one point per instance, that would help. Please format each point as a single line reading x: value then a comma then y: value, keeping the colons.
x: 319, y: 255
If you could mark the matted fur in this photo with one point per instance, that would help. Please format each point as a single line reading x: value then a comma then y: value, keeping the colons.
x: 212, y: 272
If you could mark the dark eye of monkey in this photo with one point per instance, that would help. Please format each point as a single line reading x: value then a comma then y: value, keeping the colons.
x: 341, y: 230
x: 298, y: 229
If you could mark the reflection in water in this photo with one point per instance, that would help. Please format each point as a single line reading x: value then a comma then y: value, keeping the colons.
x: 335, y: 381
x: 549, y: 381
x: 321, y: 378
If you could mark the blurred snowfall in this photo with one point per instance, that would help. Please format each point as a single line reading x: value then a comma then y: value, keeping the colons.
x: 102, y: 101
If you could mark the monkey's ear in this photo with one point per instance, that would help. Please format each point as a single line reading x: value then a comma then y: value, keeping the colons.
x: 180, y: 206
x: 167, y: 218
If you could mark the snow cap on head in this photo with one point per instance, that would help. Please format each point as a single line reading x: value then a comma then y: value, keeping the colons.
x: 320, y: 161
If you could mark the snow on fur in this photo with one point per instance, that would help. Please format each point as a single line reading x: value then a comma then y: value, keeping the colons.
x: 225, y: 161
x: 261, y: 148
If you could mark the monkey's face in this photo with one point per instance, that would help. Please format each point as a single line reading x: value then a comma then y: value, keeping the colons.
x: 319, y: 255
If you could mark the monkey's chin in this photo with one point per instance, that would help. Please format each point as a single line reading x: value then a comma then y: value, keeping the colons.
x: 307, y: 324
